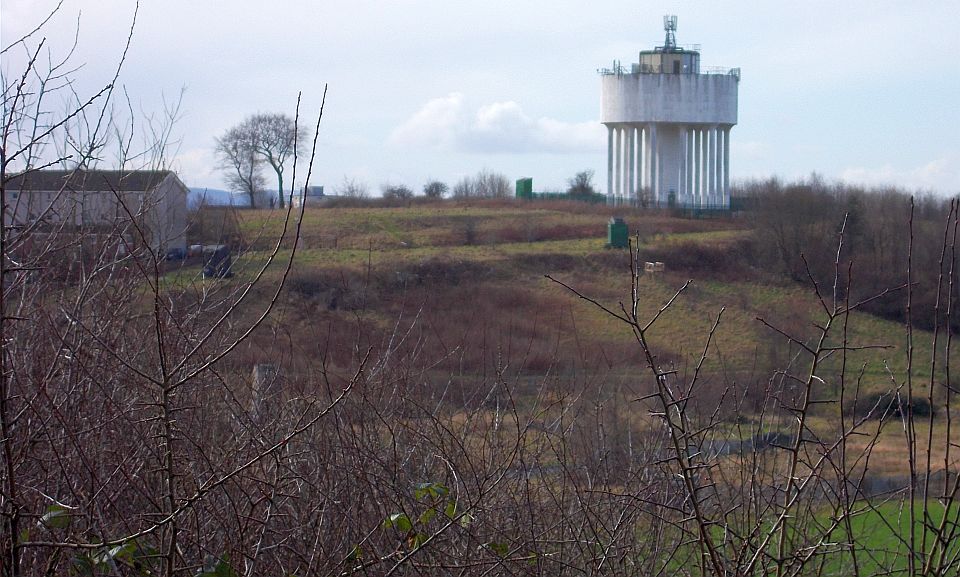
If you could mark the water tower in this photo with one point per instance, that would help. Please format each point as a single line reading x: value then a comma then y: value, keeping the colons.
x: 668, y: 128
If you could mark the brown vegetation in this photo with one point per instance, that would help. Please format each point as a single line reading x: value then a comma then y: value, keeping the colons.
x: 436, y: 405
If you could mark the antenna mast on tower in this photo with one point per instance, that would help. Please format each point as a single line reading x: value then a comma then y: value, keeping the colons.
x: 670, y: 25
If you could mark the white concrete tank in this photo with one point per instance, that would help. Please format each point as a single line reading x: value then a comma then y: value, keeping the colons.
x: 668, y: 128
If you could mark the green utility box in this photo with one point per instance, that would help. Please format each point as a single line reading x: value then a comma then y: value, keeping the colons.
x: 525, y: 188
x: 618, y: 234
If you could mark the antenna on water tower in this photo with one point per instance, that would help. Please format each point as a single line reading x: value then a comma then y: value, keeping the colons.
x: 670, y: 25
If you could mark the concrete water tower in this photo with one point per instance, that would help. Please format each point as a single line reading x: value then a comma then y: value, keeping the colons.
x: 668, y: 128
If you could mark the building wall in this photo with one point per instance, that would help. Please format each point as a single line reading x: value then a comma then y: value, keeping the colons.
x: 299, y: 199
x: 160, y: 213
x: 170, y: 217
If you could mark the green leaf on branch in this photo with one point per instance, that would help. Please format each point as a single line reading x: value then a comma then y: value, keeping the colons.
x: 418, y: 540
x: 501, y: 549
x: 124, y: 553
x: 427, y: 516
x: 213, y: 567
x: 451, y: 510
x: 433, y: 490
x: 56, y: 517
x: 399, y: 521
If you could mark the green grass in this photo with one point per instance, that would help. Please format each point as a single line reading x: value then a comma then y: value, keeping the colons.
x: 879, y: 543
x: 881, y: 535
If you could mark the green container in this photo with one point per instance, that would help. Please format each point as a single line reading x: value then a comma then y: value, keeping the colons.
x: 618, y: 235
x: 525, y: 188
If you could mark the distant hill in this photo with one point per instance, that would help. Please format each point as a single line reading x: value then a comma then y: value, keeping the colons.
x: 215, y: 196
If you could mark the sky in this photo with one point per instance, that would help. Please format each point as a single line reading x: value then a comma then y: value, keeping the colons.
x: 863, y: 91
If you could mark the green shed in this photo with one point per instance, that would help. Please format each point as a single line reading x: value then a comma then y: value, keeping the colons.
x: 525, y: 188
x: 618, y: 234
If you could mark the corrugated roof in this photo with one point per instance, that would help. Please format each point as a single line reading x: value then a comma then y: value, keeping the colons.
x: 88, y: 180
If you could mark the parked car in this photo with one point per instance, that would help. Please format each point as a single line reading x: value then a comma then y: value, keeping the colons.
x: 217, y: 262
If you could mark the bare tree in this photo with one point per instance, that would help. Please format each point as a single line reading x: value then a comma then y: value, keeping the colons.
x: 266, y: 138
x: 238, y: 156
x: 490, y: 184
x: 581, y: 184
x: 352, y: 188
x: 485, y: 184
x: 464, y: 188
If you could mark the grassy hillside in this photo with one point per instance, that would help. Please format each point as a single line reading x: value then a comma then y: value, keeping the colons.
x: 455, y: 295
x: 475, y: 274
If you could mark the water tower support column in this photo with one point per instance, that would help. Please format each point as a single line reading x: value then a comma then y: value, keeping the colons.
x: 618, y: 172
x: 726, y: 166
x: 609, y: 164
x: 638, y: 174
x: 647, y: 157
x: 682, y: 180
x: 697, y: 166
x: 654, y: 165
x: 688, y: 152
x: 712, y: 165
x: 631, y: 160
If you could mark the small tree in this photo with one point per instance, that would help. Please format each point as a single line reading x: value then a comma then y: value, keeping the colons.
x: 464, y: 188
x: 435, y: 189
x: 276, y: 139
x: 397, y: 191
x: 491, y: 184
x: 237, y: 156
x: 352, y: 188
x: 261, y: 138
x: 486, y: 184
x: 581, y: 185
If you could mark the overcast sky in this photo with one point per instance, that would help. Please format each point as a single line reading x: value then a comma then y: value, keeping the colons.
x: 865, y: 91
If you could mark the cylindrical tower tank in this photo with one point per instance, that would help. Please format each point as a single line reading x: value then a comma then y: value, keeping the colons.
x: 668, y: 123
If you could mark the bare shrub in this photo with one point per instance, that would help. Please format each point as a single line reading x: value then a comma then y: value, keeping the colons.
x: 485, y: 184
x: 396, y: 192
x: 352, y: 188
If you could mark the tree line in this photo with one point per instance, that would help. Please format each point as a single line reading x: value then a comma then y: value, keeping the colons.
x: 796, y: 226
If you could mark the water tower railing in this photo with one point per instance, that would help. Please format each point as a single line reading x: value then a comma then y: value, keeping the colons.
x: 647, y: 69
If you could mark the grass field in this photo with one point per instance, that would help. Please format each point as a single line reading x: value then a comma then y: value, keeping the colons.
x: 467, y: 284
x: 882, y: 540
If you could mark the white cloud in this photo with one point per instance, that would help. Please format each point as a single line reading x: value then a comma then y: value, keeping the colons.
x: 941, y: 174
x: 435, y: 125
x: 447, y: 123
